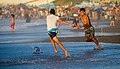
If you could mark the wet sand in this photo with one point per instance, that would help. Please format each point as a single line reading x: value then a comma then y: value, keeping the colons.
x: 82, y: 56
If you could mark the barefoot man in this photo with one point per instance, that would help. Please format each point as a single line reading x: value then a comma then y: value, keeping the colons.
x: 88, y: 29
x: 53, y: 30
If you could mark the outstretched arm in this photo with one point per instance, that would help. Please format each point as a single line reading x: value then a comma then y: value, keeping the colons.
x: 58, y: 24
x: 64, y: 22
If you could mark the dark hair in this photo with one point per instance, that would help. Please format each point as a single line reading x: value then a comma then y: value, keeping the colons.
x: 13, y: 15
x: 52, y: 11
x: 82, y: 9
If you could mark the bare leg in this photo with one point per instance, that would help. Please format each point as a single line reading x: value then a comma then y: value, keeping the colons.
x: 13, y: 29
x: 110, y: 23
x: 60, y: 45
x: 113, y: 23
x: 87, y: 38
x: 98, y: 47
x: 53, y: 44
x: 94, y: 39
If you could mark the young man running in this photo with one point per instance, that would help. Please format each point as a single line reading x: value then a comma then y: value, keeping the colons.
x: 53, y: 30
x: 88, y: 29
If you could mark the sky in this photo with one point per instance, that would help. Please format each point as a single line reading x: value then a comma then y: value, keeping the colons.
x: 39, y: 2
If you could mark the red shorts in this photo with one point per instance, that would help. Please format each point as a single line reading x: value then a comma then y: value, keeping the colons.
x: 12, y: 26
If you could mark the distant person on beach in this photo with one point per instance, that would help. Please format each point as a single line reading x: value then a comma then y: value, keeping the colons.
x: 28, y: 19
x: 53, y: 30
x: 13, y: 22
x: 112, y: 20
x: 88, y: 29
x: 96, y: 16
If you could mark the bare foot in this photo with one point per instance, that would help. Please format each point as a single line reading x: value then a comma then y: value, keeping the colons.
x: 13, y: 30
x: 66, y: 54
x: 55, y: 51
x: 99, y: 47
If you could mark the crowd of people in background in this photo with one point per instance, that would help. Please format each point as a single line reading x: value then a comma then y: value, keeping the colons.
x: 22, y: 12
x: 105, y: 11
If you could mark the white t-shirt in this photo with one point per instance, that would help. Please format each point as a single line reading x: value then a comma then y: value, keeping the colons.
x: 51, y: 22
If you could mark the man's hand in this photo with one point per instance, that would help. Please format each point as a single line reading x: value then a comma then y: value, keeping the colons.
x: 79, y: 26
x: 71, y: 25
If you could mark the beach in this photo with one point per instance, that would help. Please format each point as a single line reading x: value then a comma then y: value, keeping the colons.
x: 24, y: 39
x: 16, y: 47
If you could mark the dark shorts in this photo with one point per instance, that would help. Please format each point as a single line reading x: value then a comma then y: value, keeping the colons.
x: 89, y: 32
x: 52, y: 34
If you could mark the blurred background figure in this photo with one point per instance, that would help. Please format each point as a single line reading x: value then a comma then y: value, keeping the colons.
x: 112, y: 19
x: 13, y: 22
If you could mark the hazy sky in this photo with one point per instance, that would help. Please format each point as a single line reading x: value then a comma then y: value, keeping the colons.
x: 23, y: 1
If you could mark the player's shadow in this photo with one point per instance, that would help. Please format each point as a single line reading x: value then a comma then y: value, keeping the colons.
x: 90, y: 52
x: 87, y: 54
